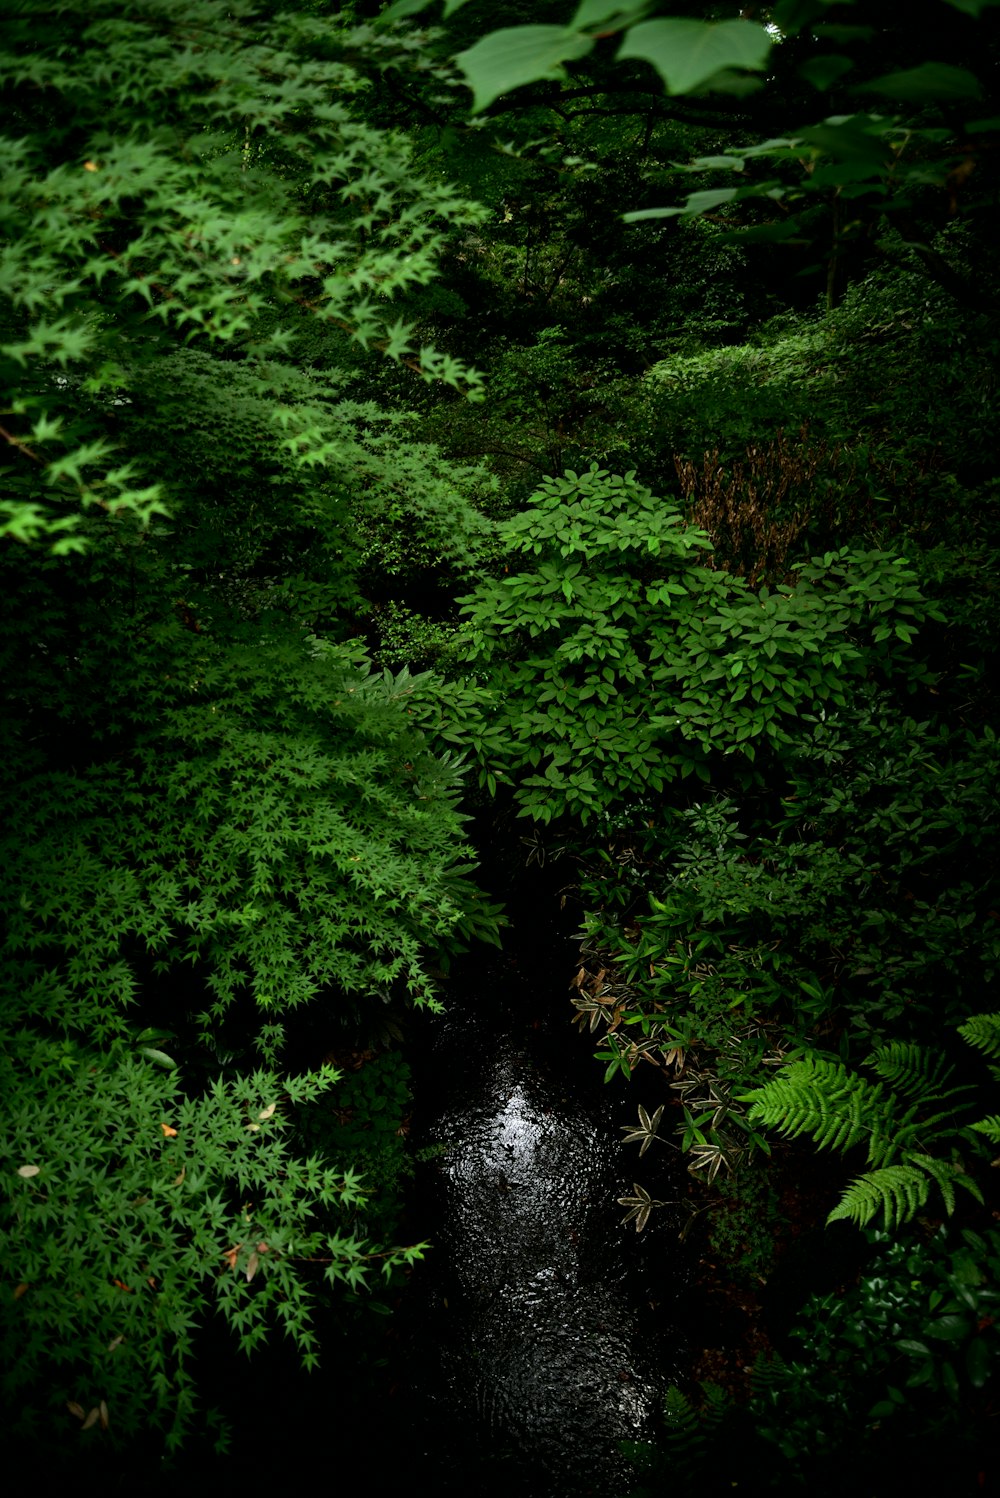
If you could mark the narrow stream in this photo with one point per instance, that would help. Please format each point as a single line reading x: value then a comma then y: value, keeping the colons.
x: 541, y: 1332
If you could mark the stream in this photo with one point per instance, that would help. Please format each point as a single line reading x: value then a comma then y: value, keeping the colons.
x: 540, y: 1332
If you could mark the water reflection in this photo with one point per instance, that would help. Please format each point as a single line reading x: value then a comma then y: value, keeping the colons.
x: 536, y: 1298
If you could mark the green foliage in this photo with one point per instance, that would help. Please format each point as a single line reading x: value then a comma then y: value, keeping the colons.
x: 903, y: 1358
x: 238, y: 822
x: 133, y: 1212
x: 216, y: 812
x: 691, y: 1431
x: 697, y: 55
x: 688, y: 54
x: 616, y: 613
x: 161, y: 185
x: 897, y: 1125
x: 983, y: 1031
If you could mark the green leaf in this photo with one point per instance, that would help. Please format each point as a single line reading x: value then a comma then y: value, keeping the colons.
x: 687, y: 53
x: 697, y: 202
x: 605, y: 13
x: 516, y: 55
x: 404, y: 8
x: 825, y: 70
x: 931, y: 80
x: 950, y: 1328
x: 972, y: 7
x: 159, y: 1057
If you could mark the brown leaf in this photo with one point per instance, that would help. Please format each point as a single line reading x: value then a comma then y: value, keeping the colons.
x: 267, y: 1112
x: 231, y: 1255
x: 104, y: 1416
x: 27, y: 1171
x: 115, y: 1342
x: 91, y: 1419
x: 178, y: 1179
x: 168, y: 1132
x: 253, y: 1264
x: 22, y: 1289
x: 75, y: 1409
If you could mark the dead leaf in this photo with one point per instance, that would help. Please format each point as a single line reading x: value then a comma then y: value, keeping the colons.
x: 105, y: 1422
x: 27, y: 1171
x: 115, y: 1342
x: 74, y: 1408
x: 91, y: 166
x: 253, y: 1128
x: 91, y: 1419
x: 263, y: 1247
x: 168, y: 1132
x: 231, y: 1255
x: 22, y: 1289
x: 178, y: 1179
x: 267, y: 1112
x: 253, y: 1264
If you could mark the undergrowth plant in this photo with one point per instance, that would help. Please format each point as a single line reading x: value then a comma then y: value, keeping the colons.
x: 621, y: 664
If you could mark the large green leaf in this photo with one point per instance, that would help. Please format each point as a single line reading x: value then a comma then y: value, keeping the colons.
x: 614, y: 14
x: 697, y: 202
x: 824, y: 71
x: 931, y: 80
x: 686, y: 53
x: 516, y: 55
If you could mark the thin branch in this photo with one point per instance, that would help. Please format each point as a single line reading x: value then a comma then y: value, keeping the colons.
x: 22, y: 447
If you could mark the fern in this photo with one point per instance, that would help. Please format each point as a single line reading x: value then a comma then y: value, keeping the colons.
x: 692, y: 1431
x: 983, y: 1031
x: 900, y: 1191
x: 916, y: 1071
x: 837, y: 1108
x: 990, y: 1127
x: 840, y: 1109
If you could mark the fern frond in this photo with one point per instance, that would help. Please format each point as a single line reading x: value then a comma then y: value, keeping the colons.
x: 770, y: 1377
x: 684, y: 1437
x: 692, y: 1432
x: 899, y: 1191
x: 916, y: 1071
x: 990, y: 1127
x: 837, y: 1108
x: 983, y: 1031
x: 948, y: 1175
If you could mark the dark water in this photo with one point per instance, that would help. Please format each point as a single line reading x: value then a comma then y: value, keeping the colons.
x: 540, y: 1333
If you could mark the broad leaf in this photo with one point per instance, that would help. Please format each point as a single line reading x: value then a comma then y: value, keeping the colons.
x: 686, y: 53
x: 931, y: 80
x: 614, y: 13
x: 825, y: 70
x: 516, y: 55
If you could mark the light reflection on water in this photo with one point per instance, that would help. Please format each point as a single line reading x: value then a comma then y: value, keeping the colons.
x: 543, y: 1347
